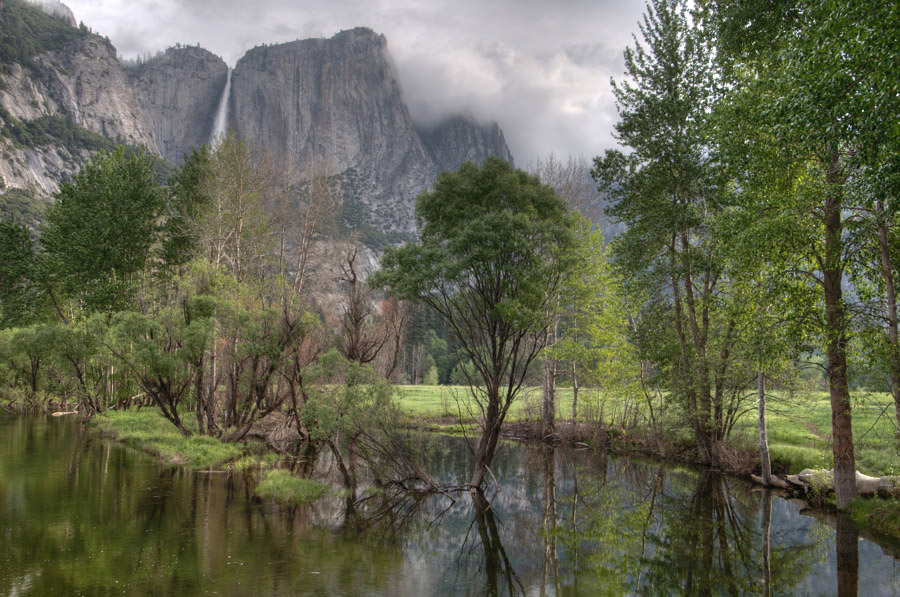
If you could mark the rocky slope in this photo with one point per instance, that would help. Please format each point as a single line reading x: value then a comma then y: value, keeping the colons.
x: 332, y: 104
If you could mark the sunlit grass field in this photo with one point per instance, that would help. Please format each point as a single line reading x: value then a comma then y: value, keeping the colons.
x: 799, y: 428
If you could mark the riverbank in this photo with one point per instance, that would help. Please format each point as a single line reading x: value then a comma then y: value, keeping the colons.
x: 796, y: 438
x: 798, y: 428
x: 147, y: 430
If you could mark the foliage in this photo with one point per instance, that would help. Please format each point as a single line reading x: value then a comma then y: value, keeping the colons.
x: 22, y: 207
x: 341, y: 394
x: 17, y: 262
x: 99, y: 233
x: 806, y: 111
x: 235, y: 228
x: 189, y: 195
x: 495, y: 246
x: 593, y: 340
x: 669, y: 192
x: 52, y: 129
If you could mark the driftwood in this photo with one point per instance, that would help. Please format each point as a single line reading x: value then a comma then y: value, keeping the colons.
x: 823, y: 481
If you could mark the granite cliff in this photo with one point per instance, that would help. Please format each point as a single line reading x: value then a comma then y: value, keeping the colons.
x: 178, y: 93
x: 334, y: 103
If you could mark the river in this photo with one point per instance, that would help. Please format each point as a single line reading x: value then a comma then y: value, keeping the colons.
x: 80, y: 515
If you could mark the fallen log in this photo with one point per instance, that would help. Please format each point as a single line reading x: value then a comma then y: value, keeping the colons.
x: 823, y: 481
x: 865, y: 485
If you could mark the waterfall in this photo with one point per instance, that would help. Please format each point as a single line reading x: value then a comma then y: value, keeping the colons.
x: 221, y: 119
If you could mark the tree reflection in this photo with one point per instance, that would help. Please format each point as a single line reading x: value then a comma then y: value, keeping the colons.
x: 550, y: 562
x: 500, y: 578
x: 665, y: 533
x: 846, y: 538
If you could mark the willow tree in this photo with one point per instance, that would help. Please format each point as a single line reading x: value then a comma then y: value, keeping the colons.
x: 495, y: 246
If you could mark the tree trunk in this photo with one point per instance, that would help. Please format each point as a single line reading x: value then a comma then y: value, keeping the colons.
x: 575, y: 393
x: 765, y: 462
x: 836, y: 349
x: 198, y: 398
x: 891, y: 299
x: 548, y: 425
x: 766, y: 540
x: 487, y: 445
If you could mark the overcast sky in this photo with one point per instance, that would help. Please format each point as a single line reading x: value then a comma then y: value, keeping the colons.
x: 540, y: 68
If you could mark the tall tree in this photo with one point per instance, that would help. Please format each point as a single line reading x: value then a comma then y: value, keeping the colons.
x: 669, y: 193
x: 189, y: 195
x: 815, y: 83
x: 572, y: 182
x: 236, y: 230
x: 17, y: 262
x: 495, y: 246
x: 99, y: 234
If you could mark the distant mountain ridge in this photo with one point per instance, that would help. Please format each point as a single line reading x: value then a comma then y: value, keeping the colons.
x: 336, y: 102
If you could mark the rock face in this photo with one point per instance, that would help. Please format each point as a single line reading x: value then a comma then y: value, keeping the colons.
x: 178, y: 93
x: 338, y: 102
x: 462, y: 139
x: 58, y: 10
x: 82, y: 84
x: 332, y: 104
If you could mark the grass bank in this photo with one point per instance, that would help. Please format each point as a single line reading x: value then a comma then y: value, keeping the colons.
x: 147, y: 430
x: 281, y: 486
x: 882, y: 516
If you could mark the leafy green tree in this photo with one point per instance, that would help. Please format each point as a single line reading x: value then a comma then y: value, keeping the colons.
x: 100, y: 232
x: 814, y: 82
x: 157, y: 350
x: 235, y: 228
x: 189, y: 195
x: 593, y: 342
x: 669, y: 192
x: 17, y: 261
x: 495, y: 246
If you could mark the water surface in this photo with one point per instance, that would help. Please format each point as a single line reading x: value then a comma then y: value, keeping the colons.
x: 84, y: 516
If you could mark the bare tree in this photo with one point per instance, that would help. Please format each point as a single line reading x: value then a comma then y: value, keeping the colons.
x: 362, y: 340
x: 306, y: 214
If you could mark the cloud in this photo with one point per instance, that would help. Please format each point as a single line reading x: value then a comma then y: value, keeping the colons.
x: 541, y: 69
